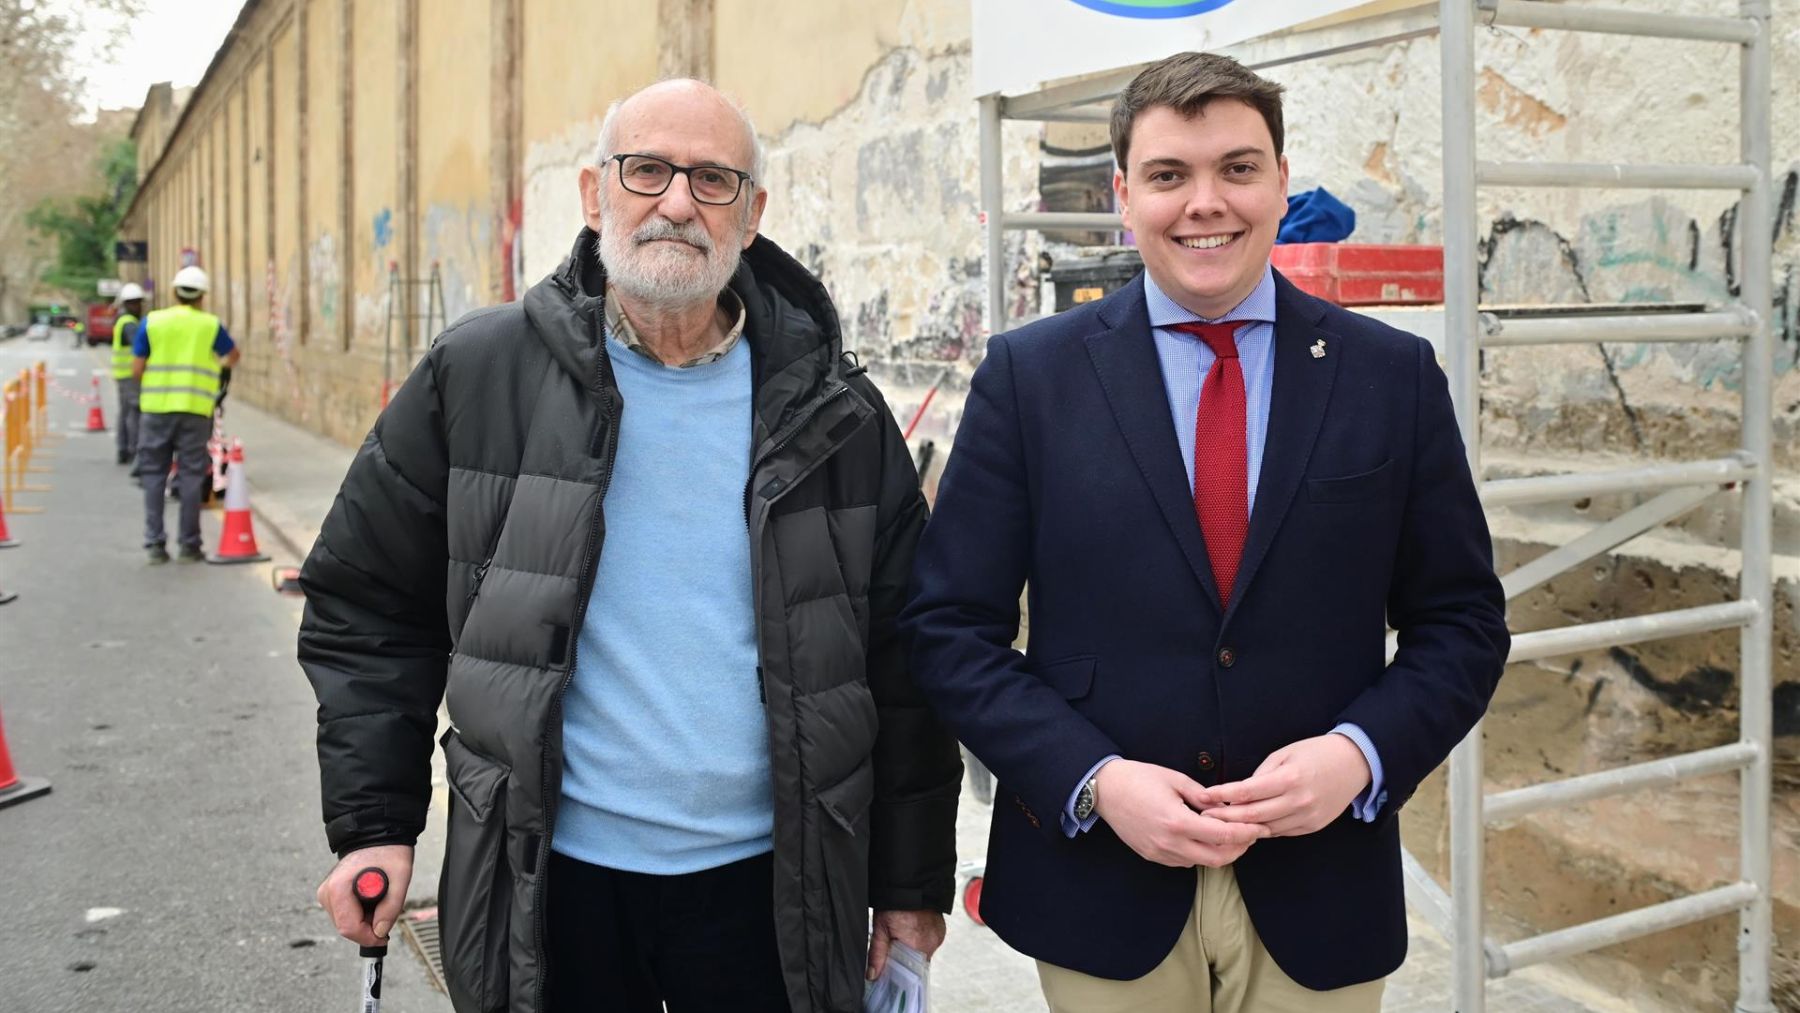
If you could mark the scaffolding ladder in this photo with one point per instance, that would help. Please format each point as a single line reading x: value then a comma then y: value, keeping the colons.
x: 403, y: 313
x: 1682, y: 487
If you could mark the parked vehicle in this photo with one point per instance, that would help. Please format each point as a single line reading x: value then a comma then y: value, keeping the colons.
x: 100, y: 317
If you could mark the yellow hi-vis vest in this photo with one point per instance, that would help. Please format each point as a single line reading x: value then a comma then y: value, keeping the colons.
x: 122, y: 346
x: 182, y: 374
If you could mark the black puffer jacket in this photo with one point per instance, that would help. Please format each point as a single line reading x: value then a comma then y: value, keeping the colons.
x: 458, y: 560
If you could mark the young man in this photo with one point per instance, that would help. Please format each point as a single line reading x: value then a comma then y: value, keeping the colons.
x: 1220, y: 492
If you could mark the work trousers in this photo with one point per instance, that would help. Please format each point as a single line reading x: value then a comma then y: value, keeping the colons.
x: 631, y: 942
x: 127, y: 431
x: 1218, y: 966
x: 181, y: 437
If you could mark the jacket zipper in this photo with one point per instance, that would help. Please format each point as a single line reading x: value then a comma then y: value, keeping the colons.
x: 613, y: 413
x: 475, y: 587
x: 787, y: 436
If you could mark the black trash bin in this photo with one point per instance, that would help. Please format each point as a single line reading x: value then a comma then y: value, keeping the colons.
x: 1101, y: 271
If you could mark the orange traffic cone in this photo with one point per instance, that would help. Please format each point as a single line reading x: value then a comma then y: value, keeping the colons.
x: 96, y: 418
x: 13, y: 788
x: 6, y: 540
x: 237, y: 544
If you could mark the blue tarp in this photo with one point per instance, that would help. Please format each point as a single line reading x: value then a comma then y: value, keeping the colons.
x: 1316, y: 217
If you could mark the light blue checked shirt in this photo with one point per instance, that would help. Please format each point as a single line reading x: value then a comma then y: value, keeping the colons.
x: 1185, y: 360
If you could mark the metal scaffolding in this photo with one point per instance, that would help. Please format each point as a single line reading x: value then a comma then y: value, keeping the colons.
x: 1459, y: 912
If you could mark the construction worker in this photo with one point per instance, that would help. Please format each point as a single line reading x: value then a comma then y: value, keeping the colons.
x: 177, y: 355
x: 125, y: 325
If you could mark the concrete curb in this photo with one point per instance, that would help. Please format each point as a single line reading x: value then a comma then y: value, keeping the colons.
x: 285, y: 528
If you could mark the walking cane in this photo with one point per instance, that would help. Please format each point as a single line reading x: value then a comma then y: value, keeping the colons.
x: 371, y: 885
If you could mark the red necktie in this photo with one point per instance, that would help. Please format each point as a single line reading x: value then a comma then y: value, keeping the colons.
x: 1221, y: 468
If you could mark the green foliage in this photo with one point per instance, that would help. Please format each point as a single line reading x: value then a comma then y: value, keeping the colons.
x: 83, y: 228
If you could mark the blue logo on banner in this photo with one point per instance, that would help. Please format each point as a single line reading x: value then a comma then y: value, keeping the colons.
x: 1153, y: 8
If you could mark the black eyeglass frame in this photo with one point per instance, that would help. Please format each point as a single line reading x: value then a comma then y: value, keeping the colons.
x: 684, y: 170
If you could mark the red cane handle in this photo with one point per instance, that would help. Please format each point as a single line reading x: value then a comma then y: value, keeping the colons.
x: 371, y: 885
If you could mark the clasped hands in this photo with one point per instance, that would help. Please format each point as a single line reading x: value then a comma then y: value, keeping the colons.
x: 1168, y: 818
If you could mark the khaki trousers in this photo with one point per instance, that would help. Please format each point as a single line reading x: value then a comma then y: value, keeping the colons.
x: 1218, y: 966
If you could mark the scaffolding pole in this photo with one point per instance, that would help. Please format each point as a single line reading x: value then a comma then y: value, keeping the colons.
x: 1755, y: 689
x: 1462, y: 333
x: 993, y: 237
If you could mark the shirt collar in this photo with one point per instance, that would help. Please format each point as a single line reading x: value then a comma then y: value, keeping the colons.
x: 619, y: 326
x: 1259, y: 305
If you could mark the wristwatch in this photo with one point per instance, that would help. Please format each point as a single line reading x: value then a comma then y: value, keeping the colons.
x: 1086, y: 799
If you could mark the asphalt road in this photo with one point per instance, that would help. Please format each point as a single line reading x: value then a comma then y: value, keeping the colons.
x: 173, y: 865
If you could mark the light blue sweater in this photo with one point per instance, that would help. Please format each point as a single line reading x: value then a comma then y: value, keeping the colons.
x: 665, y: 744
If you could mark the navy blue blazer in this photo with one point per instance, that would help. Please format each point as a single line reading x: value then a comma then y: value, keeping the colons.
x: 1066, y: 480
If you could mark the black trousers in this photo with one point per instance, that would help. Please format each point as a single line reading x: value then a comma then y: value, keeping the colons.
x: 637, y: 943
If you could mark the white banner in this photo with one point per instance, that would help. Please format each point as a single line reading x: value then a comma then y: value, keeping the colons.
x: 1021, y: 44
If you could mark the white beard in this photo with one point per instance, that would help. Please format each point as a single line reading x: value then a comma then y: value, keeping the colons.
x: 664, y: 273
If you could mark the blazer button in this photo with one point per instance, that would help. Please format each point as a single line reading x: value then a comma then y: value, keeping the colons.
x: 1206, y: 761
x: 1227, y: 657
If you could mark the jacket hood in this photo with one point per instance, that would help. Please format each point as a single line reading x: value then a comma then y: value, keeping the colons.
x: 790, y: 322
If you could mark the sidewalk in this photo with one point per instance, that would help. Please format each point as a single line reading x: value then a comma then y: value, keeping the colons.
x: 294, y: 476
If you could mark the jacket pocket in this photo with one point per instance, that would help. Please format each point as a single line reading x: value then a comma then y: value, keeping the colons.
x: 1372, y: 484
x: 475, y: 893
x: 843, y: 829
x: 1072, y: 677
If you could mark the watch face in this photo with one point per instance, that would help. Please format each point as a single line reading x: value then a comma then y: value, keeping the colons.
x: 1084, y: 801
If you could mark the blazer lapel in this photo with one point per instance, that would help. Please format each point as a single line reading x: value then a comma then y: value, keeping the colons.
x: 1130, y: 373
x: 1302, y: 389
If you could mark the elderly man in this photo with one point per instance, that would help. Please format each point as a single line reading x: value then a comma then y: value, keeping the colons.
x: 648, y: 533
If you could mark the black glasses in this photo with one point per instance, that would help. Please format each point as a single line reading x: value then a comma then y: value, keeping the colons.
x: 650, y: 176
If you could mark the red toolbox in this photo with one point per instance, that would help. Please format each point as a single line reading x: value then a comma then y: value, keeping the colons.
x: 1364, y: 274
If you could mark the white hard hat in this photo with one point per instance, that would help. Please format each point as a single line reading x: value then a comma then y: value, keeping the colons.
x: 191, y: 279
x: 130, y: 292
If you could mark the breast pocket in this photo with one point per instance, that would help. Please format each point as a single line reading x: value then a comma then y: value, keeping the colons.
x: 1361, y: 487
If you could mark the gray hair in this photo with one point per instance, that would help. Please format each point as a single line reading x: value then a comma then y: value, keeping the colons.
x: 607, y: 146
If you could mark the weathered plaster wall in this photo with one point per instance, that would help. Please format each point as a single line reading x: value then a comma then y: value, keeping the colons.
x: 569, y: 78
x: 322, y: 320
x: 257, y: 223
x: 378, y: 142
x: 840, y: 42
x: 1568, y: 97
x: 284, y: 258
x: 881, y: 200
x: 457, y: 211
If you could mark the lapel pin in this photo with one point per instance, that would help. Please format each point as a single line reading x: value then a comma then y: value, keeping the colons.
x: 1318, y: 349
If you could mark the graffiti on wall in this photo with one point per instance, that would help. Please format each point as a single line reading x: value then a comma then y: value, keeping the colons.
x: 384, y: 228
x: 323, y: 280
x: 458, y: 241
x: 512, y: 252
x: 279, y: 292
x: 1660, y: 399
